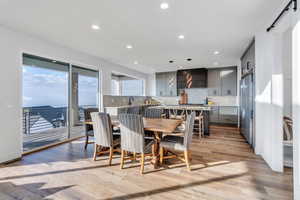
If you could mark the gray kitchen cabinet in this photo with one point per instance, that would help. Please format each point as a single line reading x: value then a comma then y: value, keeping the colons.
x: 166, y: 84
x: 228, y: 78
x: 248, y: 59
x: 213, y: 82
x: 171, y: 84
x: 228, y: 114
x: 224, y: 115
x: 160, y: 89
x: 214, y: 114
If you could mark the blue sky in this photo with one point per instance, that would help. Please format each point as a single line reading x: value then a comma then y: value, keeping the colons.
x: 49, y: 87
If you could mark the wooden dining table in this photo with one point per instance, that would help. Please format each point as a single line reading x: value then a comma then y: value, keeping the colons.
x: 158, y: 127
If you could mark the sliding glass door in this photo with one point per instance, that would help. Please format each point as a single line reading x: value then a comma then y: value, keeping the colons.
x: 45, y: 102
x: 54, y: 97
x: 84, y: 95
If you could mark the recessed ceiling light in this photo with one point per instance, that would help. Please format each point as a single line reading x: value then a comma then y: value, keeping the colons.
x: 129, y: 46
x: 180, y: 67
x: 136, y: 62
x: 216, y: 63
x: 171, y: 61
x: 216, y: 52
x: 164, y: 6
x: 181, y: 37
x: 95, y: 27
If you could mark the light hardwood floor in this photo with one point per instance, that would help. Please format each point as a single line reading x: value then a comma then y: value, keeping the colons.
x: 223, y: 167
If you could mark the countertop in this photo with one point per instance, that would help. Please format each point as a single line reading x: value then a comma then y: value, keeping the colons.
x: 129, y: 106
x: 185, y: 107
x: 188, y: 106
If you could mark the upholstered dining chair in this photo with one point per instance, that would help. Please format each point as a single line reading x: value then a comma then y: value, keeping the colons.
x: 134, y: 110
x: 88, y: 128
x: 153, y: 113
x: 133, y: 139
x: 179, y: 143
x: 103, y: 134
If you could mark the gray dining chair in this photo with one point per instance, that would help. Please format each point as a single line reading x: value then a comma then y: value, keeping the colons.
x: 104, y: 137
x: 179, y: 143
x: 134, y: 110
x: 153, y: 113
x: 133, y: 139
x: 88, y: 128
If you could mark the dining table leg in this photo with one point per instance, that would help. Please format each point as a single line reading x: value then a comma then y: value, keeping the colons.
x: 155, y: 160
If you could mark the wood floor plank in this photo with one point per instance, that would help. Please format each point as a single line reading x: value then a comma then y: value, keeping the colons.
x: 224, y: 167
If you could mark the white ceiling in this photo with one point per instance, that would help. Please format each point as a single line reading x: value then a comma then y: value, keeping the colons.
x: 224, y: 25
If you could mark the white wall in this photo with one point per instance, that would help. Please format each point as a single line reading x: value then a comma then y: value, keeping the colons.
x: 296, y: 109
x: 12, y: 45
x: 268, y: 101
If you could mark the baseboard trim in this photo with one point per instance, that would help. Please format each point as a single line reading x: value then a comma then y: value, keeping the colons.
x: 10, y: 161
x: 50, y: 145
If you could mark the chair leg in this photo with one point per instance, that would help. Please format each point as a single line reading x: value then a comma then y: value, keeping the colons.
x: 95, y: 151
x: 200, y: 128
x: 153, y: 149
x: 142, y: 163
x: 134, y: 157
x: 122, y: 159
x: 86, y: 141
x: 187, y: 160
x: 190, y: 156
x: 111, y: 151
x: 161, y: 155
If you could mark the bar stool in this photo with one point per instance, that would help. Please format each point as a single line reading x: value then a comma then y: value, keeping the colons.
x: 173, y: 113
x: 200, y: 125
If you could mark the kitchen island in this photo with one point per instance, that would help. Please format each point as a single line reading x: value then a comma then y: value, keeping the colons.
x: 197, y: 108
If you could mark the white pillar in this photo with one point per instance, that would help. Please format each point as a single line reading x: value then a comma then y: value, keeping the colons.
x: 268, y: 101
x: 296, y: 109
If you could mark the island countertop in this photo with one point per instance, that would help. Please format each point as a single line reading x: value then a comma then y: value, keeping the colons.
x: 184, y: 107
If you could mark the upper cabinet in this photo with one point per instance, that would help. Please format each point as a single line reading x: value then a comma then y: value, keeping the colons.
x: 222, y: 81
x: 228, y: 82
x: 166, y: 84
x: 214, y: 82
x: 218, y: 81
x: 248, y: 59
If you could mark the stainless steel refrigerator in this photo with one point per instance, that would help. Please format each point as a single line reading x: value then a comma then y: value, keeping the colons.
x: 247, y: 108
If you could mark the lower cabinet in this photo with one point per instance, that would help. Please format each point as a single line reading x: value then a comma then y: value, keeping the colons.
x: 214, y: 114
x: 224, y: 115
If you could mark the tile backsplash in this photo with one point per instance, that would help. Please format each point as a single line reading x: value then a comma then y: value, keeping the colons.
x: 115, y: 101
x: 224, y: 100
x: 194, y: 97
x: 197, y: 95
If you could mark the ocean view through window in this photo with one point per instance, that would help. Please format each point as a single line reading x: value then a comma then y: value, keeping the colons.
x: 55, y: 95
